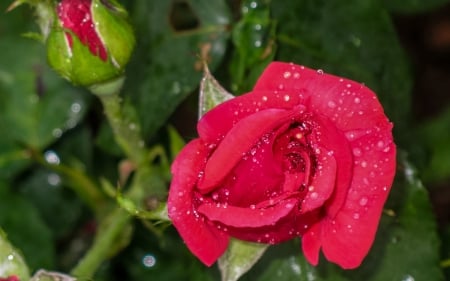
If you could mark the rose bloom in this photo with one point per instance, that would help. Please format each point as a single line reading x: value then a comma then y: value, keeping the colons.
x: 305, y: 154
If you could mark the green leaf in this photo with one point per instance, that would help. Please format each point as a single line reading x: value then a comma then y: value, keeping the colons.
x: 25, y: 229
x: 437, y: 168
x: 36, y: 106
x: 349, y: 38
x: 254, y: 41
x: 408, y: 224
x: 11, y: 261
x: 171, y: 38
x: 211, y: 93
x: 413, y: 6
x: 239, y: 258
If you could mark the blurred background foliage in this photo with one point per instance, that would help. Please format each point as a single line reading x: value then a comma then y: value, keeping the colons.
x: 51, y: 132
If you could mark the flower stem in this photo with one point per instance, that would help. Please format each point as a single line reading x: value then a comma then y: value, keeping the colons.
x: 123, y: 121
x: 103, y: 246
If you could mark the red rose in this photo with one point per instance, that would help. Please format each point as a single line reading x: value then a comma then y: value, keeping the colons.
x: 305, y: 154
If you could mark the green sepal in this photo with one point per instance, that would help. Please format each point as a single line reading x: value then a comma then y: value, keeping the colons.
x: 115, y: 32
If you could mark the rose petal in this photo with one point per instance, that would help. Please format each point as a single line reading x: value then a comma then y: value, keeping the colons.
x: 322, y: 185
x: 349, y: 104
x: 311, y: 243
x: 247, y: 217
x: 347, y: 238
x: 238, y: 142
x: 204, y: 240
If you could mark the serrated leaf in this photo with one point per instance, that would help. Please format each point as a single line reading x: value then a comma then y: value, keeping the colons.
x: 11, y: 261
x: 211, y: 93
x: 239, y: 258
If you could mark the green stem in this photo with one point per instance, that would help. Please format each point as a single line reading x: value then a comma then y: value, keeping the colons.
x: 123, y: 121
x: 110, y: 231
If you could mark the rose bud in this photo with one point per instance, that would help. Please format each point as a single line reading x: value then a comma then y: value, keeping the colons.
x: 91, y: 41
x: 305, y: 154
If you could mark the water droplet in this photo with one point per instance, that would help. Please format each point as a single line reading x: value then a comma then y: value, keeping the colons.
x: 357, y: 151
x: 320, y: 71
x: 363, y: 164
x: 287, y: 98
x: 252, y: 206
x: 10, y: 257
x: 253, y: 4
x: 75, y: 107
x: 51, y: 157
x: 296, y: 75
x: 314, y: 195
x: 357, y: 100
x: 363, y: 201
x: 331, y: 104
x: 408, y: 278
x: 287, y: 74
x: 264, y: 98
x: 258, y: 43
x: 54, y: 179
x: 356, y: 216
x: 149, y: 260
x: 348, y: 85
x: 57, y: 133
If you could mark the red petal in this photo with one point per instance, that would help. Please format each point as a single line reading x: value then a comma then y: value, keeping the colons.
x: 203, y: 239
x: 238, y: 142
x: 348, y: 237
x: 349, y: 104
x: 311, y: 243
x: 248, y: 217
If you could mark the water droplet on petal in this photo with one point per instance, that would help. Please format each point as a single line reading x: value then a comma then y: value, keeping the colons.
x: 287, y: 74
x: 357, y: 151
x: 357, y: 100
x: 356, y: 216
x: 331, y: 104
x: 363, y: 201
x: 287, y: 98
x: 320, y: 71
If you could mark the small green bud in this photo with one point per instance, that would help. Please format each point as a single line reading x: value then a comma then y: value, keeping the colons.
x: 91, y: 41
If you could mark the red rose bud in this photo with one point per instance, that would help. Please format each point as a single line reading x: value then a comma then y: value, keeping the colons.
x: 92, y: 41
x: 304, y: 154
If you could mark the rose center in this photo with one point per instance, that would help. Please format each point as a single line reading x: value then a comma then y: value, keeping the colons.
x: 293, y: 150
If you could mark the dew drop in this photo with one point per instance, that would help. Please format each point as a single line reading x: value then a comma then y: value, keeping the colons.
x: 149, y: 260
x: 320, y: 71
x: 357, y: 151
x: 363, y: 164
x: 51, y: 157
x: 363, y: 201
x: 287, y: 74
x: 314, y: 195
x: 356, y: 216
x: 331, y: 104
x: 296, y: 75
x: 286, y: 98
x: 357, y: 100
x: 252, y: 206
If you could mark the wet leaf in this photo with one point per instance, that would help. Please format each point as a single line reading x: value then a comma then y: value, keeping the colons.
x: 36, y: 106
x: 239, y: 258
x: 25, y: 229
x: 11, y: 261
x: 173, y: 39
x: 253, y: 37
